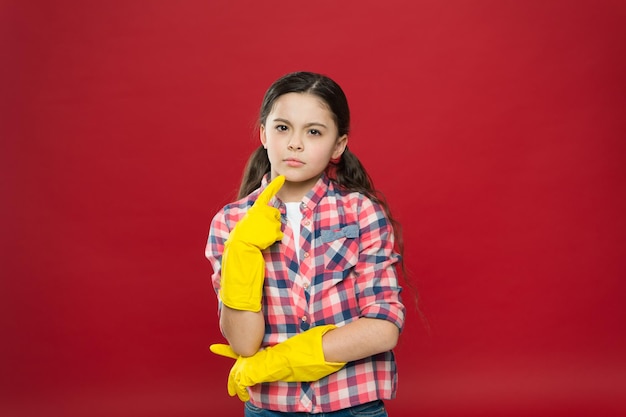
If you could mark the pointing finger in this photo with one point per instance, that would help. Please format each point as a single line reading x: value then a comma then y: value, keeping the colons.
x: 270, y: 191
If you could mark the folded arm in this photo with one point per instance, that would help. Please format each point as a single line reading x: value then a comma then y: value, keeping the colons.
x: 243, y: 329
x: 360, y: 339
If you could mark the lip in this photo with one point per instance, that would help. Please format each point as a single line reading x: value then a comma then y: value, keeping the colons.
x: 293, y: 162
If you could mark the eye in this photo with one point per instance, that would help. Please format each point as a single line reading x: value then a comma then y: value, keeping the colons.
x: 281, y: 128
x: 315, y: 132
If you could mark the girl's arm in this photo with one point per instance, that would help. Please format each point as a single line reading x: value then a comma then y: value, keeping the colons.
x: 243, y: 329
x: 357, y: 340
x: 239, y: 268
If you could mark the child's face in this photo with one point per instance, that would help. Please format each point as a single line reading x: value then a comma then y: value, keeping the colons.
x: 301, y: 137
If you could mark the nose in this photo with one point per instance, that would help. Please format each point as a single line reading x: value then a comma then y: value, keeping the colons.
x: 295, y: 143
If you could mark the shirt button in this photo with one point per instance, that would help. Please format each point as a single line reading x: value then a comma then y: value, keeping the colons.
x: 305, y: 285
x: 304, y: 318
x: 306, y: 254
x: 306, y: 223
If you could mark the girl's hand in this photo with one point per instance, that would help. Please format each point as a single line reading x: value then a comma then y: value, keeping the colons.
x: 243, y: 266
x: 299, y: 358
x: 261, y: 225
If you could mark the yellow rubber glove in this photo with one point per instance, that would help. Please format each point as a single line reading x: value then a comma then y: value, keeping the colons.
x: 243, y: 267
x: 299, y: 358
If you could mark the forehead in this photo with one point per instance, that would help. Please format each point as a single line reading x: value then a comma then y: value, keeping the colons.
x: 300, y: 106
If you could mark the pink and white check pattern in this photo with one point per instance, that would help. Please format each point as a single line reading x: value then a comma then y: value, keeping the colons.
x: 346, y: 270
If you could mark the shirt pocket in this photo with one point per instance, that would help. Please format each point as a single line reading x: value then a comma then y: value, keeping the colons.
x: 341, y: 249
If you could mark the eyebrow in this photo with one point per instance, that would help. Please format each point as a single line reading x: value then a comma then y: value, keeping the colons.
x: 306, y: 125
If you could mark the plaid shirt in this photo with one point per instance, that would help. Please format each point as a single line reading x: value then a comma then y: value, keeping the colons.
x: 347, y: 270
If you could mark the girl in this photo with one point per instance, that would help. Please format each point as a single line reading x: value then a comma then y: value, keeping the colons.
x: 305, y: 267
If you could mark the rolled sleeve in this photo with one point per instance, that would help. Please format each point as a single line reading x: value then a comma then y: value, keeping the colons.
x: 377, y: 279
x: 218, y: 233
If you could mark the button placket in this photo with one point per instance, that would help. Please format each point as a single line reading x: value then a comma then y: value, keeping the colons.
x: 305, y: 284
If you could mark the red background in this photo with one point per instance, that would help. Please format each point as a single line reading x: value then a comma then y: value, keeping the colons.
x: 495, y: 128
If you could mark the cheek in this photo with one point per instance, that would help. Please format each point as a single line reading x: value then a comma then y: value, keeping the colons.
x: 324, y: 153
x: 271, y: 152
x: 271, y: 144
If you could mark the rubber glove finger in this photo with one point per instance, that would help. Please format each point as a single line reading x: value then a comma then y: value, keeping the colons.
x: 232, y: 390
x: 270, y: 191
x: 240, y: 390
x: 223, y: 350
x: 242, y: 393
x: 234, y: 385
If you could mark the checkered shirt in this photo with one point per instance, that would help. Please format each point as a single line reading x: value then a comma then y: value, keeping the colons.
x: 347, y: 270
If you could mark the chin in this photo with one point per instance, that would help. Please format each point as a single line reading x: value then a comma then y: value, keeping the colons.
x: 300, y: 178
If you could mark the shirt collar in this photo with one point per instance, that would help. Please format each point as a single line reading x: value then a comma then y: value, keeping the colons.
x: 312, y: 198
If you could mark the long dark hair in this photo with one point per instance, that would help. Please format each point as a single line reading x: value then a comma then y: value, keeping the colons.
x: 347, y: 172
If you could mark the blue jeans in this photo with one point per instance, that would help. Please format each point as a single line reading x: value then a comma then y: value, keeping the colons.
x: 371, y: 409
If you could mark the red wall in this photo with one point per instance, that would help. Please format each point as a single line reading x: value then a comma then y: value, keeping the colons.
x: 495, y: 128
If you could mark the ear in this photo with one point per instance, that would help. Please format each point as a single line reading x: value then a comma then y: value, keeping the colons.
x: 262, y: 136
x: 340, y: 146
